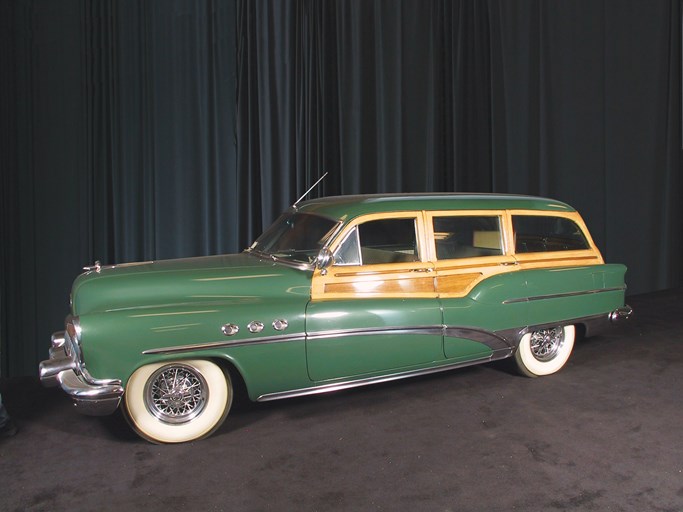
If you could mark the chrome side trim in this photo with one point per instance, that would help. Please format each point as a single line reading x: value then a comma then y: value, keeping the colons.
x: 437, y: 330
x: 224, y: 344
x: 564, y: 295
x: 338, y: 386
x: 494, y: 340
x: 594, y: 325
x: 340, y: 333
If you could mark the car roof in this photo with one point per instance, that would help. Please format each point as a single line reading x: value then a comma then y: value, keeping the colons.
x: 346, y: 207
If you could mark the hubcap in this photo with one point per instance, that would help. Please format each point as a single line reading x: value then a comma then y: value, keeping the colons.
x: 176, y: 393
x: 546, y: 343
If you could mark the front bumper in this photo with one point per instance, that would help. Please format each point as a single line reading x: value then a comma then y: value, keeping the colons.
x: 65, y: 368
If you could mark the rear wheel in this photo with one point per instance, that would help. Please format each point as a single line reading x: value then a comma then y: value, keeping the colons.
x: 545, y: 351
x: 178, y: 401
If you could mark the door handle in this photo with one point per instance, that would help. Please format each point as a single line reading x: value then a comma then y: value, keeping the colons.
x: 427, y: 269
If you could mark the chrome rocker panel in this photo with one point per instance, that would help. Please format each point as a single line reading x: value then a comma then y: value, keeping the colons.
x: 92, y: 397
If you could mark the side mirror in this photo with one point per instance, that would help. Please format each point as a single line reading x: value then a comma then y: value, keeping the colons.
x: 325, y: 259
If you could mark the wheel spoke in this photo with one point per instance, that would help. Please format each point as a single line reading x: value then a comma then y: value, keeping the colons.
x: 546, y: 343
x: 176, y: 394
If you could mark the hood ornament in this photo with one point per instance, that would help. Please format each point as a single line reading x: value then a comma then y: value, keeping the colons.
x: 96, y: 267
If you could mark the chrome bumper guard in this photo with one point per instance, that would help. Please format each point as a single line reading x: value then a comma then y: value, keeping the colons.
x: 94, y: 397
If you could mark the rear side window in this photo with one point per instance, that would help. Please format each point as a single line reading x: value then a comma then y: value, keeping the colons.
x: 547, y: 234
x: 467, y: 237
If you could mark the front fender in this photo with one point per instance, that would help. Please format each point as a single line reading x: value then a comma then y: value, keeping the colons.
x: 116, y: 343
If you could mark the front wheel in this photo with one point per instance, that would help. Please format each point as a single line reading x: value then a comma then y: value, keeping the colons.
x: 545, y: 351
x: 178, y: 401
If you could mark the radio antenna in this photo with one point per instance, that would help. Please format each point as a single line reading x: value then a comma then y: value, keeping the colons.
x: 308, y: 191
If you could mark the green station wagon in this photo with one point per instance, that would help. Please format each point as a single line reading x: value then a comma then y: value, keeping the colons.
x: 340, y: 292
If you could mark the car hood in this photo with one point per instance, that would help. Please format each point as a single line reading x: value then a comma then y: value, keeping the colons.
x: 209, y: 279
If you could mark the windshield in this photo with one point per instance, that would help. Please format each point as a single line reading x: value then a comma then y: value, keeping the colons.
x: 295, y: 237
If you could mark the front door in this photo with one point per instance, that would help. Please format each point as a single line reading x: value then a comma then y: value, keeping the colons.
x: 375, y: 309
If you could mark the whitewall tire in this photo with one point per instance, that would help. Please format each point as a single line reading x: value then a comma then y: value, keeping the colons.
x: 545, y: 351
x: 176, y: 402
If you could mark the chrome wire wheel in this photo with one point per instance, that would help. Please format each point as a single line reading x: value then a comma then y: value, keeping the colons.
x: 178, y: 401
x: 546, y: 343
x: 176, y: 393
x: 545, y: 351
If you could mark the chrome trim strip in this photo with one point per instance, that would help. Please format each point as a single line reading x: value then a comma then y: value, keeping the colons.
x: 494, y: 340
x: 98, y: 267
x: 436, y: 330
x: 594, y: 325
x: 371, y: 272
x: 563, y: 295
x: 338, y: 386
x: 339, y: 333
x: 560, y: 256
x: 224, y: 344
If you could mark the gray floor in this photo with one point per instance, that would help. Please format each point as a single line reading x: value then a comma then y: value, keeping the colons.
x: 603, y: 434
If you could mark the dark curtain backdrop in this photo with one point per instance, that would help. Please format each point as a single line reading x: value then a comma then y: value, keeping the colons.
x: 120, y: 146
x: 576, y: 100
x: 146, y: 130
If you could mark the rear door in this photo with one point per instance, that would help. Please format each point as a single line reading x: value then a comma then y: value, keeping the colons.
x: 476, y: 281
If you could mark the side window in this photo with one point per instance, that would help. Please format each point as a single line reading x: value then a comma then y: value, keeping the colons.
x: 380, y: 241
x: 467, y: 237
x: 547, y: 234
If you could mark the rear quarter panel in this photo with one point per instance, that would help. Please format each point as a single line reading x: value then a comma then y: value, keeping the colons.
x: 574, y: 292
